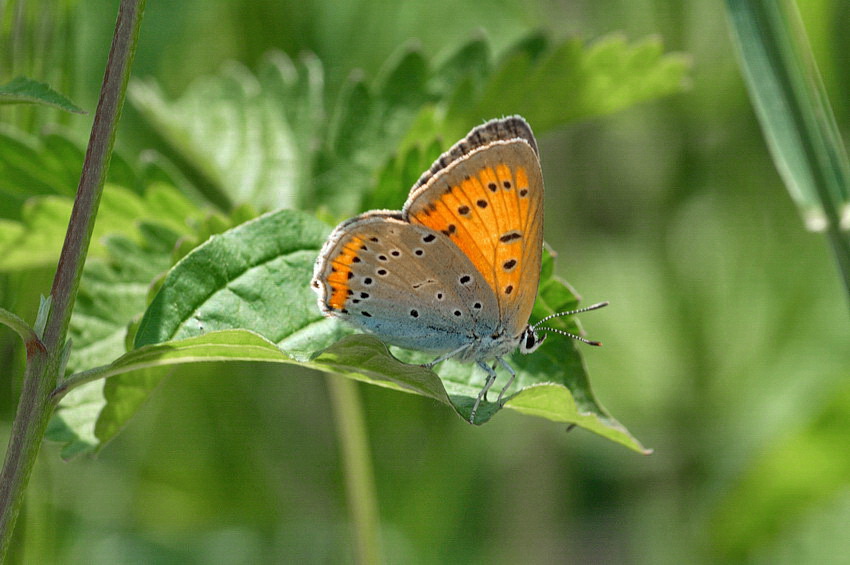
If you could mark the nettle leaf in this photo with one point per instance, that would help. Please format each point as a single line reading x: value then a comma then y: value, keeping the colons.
x: 399, y: 174
x: 247, y: 137
x: 22, y: 90
x: 114, y: 293
x: 48, y: 165
x: 255, y: 277
x: 263, y: 263
x: 37, y: 239
x: 369, y: 122
x: 552, y: 85
x: 263, y: 139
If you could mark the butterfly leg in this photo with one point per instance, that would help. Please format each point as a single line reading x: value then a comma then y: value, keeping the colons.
x: 491, y: 378
x: 510, y: 369
x: 448, y: 355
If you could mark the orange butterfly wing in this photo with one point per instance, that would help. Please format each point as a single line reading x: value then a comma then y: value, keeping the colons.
x: 486, y: 194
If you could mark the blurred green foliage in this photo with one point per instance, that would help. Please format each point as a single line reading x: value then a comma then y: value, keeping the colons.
x: 725, y: 344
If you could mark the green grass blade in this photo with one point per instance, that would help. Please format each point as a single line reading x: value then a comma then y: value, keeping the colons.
x: 795, y: 115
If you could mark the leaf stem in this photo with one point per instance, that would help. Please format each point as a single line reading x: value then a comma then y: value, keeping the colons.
x: 35, y: 405
x: 357, y: 461
x: 28, y: 334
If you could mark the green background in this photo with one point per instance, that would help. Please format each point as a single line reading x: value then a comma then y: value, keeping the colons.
x: 725, y: 342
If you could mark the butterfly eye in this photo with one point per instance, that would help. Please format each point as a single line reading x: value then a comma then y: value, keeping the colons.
x: 530, y: 340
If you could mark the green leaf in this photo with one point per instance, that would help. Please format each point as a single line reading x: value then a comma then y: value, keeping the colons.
x: 367, y: 128
x: 366, y: 359
x: 22, y: 90
x: 554, y: 85
x: 399, y: 174
x: 256, y: 276
x: 362, y: 358
x: 37, y: 239
x: 264, y: 138
x: 245, y: 137
x: 47, y: 165
x: 113, y: 291
x: 471, y: 62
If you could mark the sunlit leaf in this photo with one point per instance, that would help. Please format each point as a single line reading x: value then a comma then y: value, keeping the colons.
x: 256, y: 276
x: 247, y: 137
x: 48, y: 165
x: 37, y: 239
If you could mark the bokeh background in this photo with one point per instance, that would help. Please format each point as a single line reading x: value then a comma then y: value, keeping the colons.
x: 726, y: 342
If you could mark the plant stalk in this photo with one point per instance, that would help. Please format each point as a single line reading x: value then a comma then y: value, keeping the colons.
x: 357, y: 464
x: 42, y: 374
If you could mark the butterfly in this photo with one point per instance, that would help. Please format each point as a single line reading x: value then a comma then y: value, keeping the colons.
x: 455, y: 272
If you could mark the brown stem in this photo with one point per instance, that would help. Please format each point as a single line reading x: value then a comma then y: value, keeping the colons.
x: 42, y: 374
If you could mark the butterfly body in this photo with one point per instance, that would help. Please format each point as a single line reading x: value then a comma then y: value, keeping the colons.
x: 455, y: 272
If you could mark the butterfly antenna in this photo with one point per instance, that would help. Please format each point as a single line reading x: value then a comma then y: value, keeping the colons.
x: 568, y: 334
x: 570, y: 313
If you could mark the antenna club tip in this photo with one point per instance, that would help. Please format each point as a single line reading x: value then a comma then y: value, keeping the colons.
x: 595, y: 343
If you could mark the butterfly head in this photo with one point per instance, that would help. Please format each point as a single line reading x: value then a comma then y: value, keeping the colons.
x: 531, y: 339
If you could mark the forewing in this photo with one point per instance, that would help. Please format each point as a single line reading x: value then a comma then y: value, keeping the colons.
x: 489, y: 203
x: 409, y: 285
